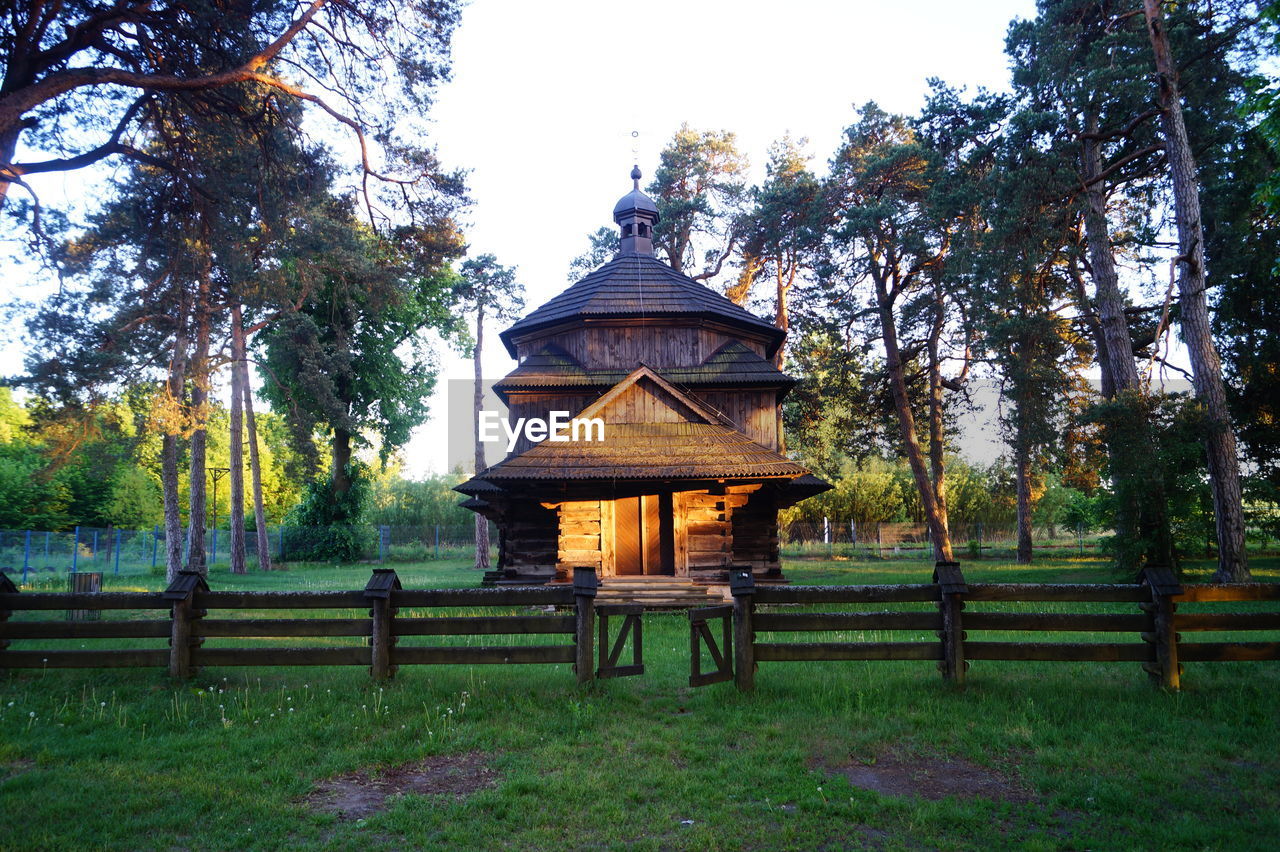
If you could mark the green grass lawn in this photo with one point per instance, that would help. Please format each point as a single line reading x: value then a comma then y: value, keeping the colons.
x: 1079, y: 756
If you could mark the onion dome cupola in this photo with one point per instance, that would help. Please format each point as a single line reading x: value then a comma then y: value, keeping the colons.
x: 636, y: 214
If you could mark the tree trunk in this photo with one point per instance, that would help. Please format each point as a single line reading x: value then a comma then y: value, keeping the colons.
x: 236, y: 477
x: 1022, y: 466
x: 1220, y: 440
x: 782, y: 319
x: 1140, y: 498
x: 936, y: 520
x: 255, y: 469
x: 937, y: 436
x: 197, y: 505
x: 169, y: 459
x: 1089, y: 313
x: 1123, y: 370
x: 340, y: 477
x: 482, y: 523
x: 8, y: 150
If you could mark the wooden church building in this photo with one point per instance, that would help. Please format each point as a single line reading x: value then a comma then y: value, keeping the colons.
x: 686, y: 479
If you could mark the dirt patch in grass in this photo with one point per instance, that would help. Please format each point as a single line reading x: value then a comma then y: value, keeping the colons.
x: 14, y: 768
x: 360, y: 794
x: 931, y: 778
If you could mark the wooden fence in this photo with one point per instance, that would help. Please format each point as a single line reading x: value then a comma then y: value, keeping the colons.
x: 184, y: 617
x: 1154, y: 621
x: 1146, y: 612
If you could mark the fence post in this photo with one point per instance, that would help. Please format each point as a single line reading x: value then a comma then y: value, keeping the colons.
x: 1164, y: 669
x: 75, y: 552
x: 585, y: 584
x: 117, y: 554
x: 26, y: 555
x: 743, y: 587
x: 182, y: 593
x: 155, y: 544
x: 879, y: 540
x: 951, y: 586
x: 378, y: 592
x: 6, y: 588
x: 437, y: 541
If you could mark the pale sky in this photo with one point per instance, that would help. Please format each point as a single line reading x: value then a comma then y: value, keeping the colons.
x: 545, y: 98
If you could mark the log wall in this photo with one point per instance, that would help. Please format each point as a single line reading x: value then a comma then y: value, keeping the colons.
x: 580, y: 537
x: 530, y: 540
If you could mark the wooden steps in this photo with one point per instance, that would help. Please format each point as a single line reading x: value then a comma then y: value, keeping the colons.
x: 656, y: 592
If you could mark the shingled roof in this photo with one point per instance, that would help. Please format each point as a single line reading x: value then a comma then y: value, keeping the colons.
x: 638, y: 285
x: 733, y: 364
x: 642, y: 451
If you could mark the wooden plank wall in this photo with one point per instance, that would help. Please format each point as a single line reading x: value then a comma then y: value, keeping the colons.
x: 754, y: 412
x: 645, y: 402
x: 623, y: 346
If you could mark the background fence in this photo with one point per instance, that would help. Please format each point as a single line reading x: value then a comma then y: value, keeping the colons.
x: 130, y: 552
x: 119, y: 551
x: 900, y: 540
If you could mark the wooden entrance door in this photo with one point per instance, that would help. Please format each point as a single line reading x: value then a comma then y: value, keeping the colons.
x: 642, y: 530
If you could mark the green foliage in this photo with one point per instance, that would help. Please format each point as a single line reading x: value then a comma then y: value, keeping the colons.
x: 602, y: 246
x: 331, y: 525
x: 425, y: 502
x: 1175, y: 458
x: 356, y: 361
x: 135, y: 501
x: 698, y: 188
x: 29, y: 499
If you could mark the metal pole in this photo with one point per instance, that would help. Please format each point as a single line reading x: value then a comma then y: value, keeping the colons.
x: 46, y: 548
x: 26, y: 556
x: 118, y: 537
x: 93, y: 552
x: 75, y: 552
x: 217, y: 473
x: 437, y: 541
x: 155, y: 544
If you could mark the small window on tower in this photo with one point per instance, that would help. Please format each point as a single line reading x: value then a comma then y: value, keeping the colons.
x: 628, y: 230
x: 644, y: 229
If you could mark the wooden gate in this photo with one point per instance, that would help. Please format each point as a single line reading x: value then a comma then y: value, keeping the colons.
x: 611, y: 653
x: 700, y: 635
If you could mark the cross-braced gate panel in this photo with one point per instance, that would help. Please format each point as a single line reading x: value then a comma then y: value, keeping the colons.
x: 610, y: 654
x: 700, y: 634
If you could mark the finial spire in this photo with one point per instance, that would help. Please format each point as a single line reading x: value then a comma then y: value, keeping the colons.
x: 636, y: 214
